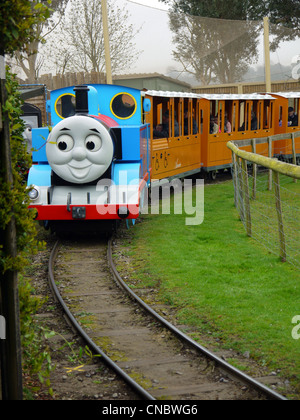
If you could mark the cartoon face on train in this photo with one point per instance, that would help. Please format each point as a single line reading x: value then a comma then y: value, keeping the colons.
x: 79, y: 149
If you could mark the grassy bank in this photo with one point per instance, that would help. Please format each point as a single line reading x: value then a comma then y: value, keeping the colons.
x: 222, y: 281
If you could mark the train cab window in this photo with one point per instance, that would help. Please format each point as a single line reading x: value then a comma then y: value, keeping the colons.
x: 65, y: 105
x: 123, y: 105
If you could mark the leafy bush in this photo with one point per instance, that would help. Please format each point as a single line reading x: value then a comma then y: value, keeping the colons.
x: 18, y: 19
x: 14, y: 203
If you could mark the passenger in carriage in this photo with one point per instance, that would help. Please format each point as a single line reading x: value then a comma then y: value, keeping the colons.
x: 186, y: 124
x: 227, y: 124
x: 214, y: 128
x: 161, y: 131
x: 253, y: 123
x: 292, y: 118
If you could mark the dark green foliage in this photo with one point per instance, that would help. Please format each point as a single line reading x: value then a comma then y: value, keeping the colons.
x: 280, y: 12
x: 14, y: 201
x: 18, y: 19
x: 18, y: 23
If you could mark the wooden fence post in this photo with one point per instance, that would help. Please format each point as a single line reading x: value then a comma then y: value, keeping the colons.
x: 294, y: 152
x: 240, y: 191
x: 279, y: 216
x: 270, y: 156
x: 246, y: 197
x: 253, y: 142
x: 235, y: 179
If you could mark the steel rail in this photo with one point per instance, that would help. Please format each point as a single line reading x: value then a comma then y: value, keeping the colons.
x: 226, y: 366
x: 97, y: 350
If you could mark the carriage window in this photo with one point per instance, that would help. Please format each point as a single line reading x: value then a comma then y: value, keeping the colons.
x: 180, y: 107
x: 234, y: 116
x: 200, y: 122
x: 123, y: 105
x: 194, y: 124
x: 247, y: 117
x: 242, y: 116
x: 253, y: 118
x: 65, y: 105
x: 260, y: 115
x: 214, y: 126
x: 293, y: 111
x: 271, y: 115
x: 268, y: 115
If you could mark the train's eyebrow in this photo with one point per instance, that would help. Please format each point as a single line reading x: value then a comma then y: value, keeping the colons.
x: 65, y: 129
x: 95, y: 130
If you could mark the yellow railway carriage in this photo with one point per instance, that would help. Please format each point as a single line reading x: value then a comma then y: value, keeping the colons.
x: 286, y: 116
x: 189, y: 132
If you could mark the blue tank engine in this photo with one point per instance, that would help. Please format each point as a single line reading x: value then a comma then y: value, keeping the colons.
x: 92, y: 164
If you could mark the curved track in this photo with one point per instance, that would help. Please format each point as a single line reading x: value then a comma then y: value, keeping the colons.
x: 137, y: 348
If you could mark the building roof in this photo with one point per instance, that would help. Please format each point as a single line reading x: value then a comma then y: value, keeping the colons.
x: 31, y: 91
x: 151, y: 76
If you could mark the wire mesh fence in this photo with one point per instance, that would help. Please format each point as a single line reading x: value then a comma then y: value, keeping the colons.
x: 267, y: 196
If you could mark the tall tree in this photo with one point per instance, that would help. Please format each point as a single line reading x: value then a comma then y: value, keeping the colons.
x: 222, y: 49
x: 81, y: 42
x: 280, y: 12
x: 213, y: 50
x: 29, y: 60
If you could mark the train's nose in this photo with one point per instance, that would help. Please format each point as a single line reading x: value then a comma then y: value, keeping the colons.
x: 79, y: 153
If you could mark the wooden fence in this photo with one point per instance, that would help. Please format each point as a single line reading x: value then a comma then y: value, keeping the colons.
x: 71, y: 79
x: 265, y: 211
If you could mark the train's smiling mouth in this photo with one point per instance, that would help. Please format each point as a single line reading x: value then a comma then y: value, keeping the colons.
x: 80, y: 172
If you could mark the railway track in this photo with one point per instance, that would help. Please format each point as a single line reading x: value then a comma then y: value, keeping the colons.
x: 151, y: 355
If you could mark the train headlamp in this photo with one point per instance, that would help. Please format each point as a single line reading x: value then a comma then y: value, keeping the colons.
x: 34, y: 193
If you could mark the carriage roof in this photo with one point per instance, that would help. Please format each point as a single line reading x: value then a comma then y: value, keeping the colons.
x: 210, y: 97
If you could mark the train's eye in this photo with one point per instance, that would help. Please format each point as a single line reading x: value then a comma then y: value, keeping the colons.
x: 65, y: 143
x: 93, y: 143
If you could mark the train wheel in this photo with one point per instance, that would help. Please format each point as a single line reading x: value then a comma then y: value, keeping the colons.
x: 213, y: 175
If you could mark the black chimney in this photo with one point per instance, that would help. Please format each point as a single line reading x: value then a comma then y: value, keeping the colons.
x: 81, y: 94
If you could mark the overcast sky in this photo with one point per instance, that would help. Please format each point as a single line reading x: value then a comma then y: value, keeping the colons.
x: 155, y: 37
x: 151, y: 3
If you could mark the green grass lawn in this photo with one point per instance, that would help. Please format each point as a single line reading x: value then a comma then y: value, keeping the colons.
x: 222, y: 281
